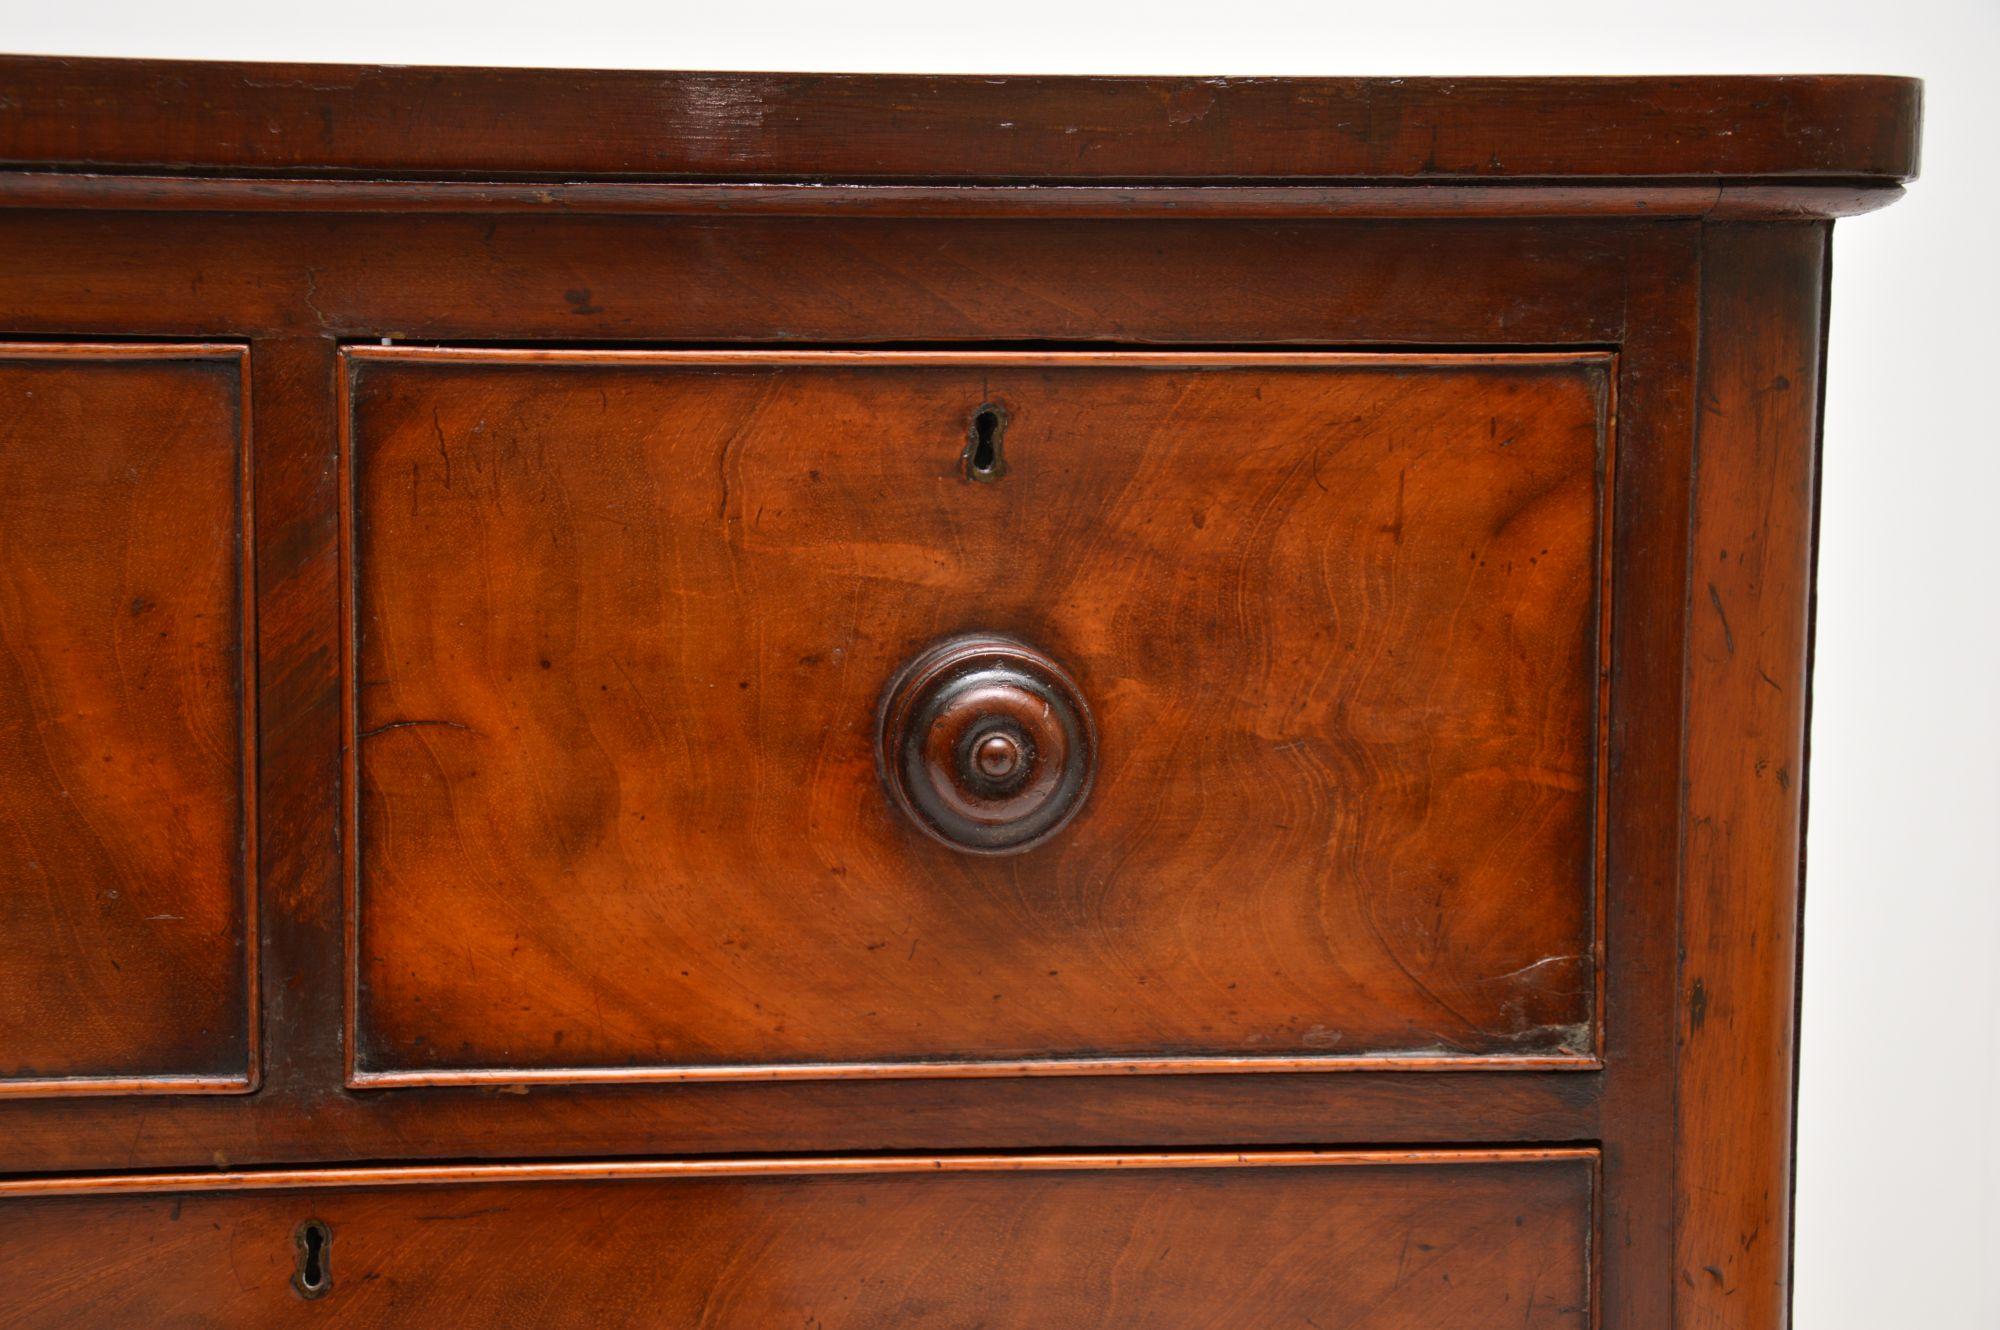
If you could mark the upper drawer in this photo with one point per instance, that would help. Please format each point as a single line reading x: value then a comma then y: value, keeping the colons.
x: 126, y: 938
x: 623, y: 624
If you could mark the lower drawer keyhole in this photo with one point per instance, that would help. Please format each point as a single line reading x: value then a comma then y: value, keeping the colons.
x: 314, y: 1275
x: 983, y: 459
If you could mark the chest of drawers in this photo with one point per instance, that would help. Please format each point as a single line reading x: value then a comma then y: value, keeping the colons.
x: 729, y: 700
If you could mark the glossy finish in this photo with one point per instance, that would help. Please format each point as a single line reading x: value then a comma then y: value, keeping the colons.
x: 347, y: 119
x: 1403, y: 833
x: 623, y: 621
x: 987, y: 743
x: 1376, y: 1241
x: 1739, y: 200
x: 1763, y: 328
x: 126, y: 921
x: 292, y: 284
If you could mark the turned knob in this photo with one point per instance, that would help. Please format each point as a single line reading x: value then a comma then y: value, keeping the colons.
x: 986, y: 743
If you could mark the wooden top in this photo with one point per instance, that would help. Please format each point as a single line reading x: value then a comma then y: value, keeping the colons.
x: 133, y: 116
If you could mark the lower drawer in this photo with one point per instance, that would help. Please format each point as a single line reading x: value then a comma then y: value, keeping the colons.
x: 1426, y: 1240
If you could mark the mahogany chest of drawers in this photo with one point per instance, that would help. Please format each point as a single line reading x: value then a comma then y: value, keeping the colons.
x: 735, y: 701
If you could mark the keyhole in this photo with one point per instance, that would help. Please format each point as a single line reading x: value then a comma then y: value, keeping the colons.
x: 315, y: 1275
x: 983, y: 459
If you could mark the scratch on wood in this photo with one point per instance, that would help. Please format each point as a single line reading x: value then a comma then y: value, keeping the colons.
x: 1728, y: 638
x: 1529, y: 969
x: 444, y: 454
x: 312, y: 295
x: 402, y: 724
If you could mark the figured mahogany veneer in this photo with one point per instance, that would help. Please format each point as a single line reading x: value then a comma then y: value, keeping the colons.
x: 473, y: 551
x: 1392, y: 1241
x: 125, y: 716
x: 624, y: 622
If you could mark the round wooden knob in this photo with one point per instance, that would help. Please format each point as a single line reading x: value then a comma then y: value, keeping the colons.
x: 987, y: 744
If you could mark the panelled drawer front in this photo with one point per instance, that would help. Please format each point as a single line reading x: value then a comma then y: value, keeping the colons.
x: 126, y: 928
x: 1369, y: 1242
x: 621, y: 625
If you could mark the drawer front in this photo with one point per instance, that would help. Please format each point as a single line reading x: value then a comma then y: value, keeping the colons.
x: 623, y: 625
x: 1369, y: 1242
x: 125, y: 908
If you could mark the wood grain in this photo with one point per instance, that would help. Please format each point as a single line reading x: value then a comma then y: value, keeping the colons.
x: 623, y: 622
x: 299, y: 756
x: 290, y: 282
x: 1375, y: 1242
x: 1750, y: 596
x: 835, y: 282
x: 291, y: 209
x: 316, y: 1121
x: 47, y: 189
x: 127, y: 959
x: 719, y: 126
x: 1645, y: 720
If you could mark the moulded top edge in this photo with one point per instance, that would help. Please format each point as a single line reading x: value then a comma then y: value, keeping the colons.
x: 524, y: 124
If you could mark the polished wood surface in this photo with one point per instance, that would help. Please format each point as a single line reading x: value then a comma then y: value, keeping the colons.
x: 623, y: 623
x: 294, y: 284
x: 1305, y: 220
x: 1739, y: 200
x: 125, y: 915
x: 1373, y: 1242
x: 836, y: 282
x: 344, y: 119
x: 1763, y: 325
x: 984, y: 741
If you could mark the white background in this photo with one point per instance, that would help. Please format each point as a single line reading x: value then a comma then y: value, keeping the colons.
x: 1899, y: 1174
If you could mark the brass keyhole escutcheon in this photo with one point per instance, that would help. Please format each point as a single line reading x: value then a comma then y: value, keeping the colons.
x: 314, y: 1273
x: 984, y: 461
x: 987, y: 744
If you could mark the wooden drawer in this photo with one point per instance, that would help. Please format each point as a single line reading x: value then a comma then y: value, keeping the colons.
x: 126, y: 913
x: 1369, y: 1241
x: 622, y: 625
x: 1067, y: 585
